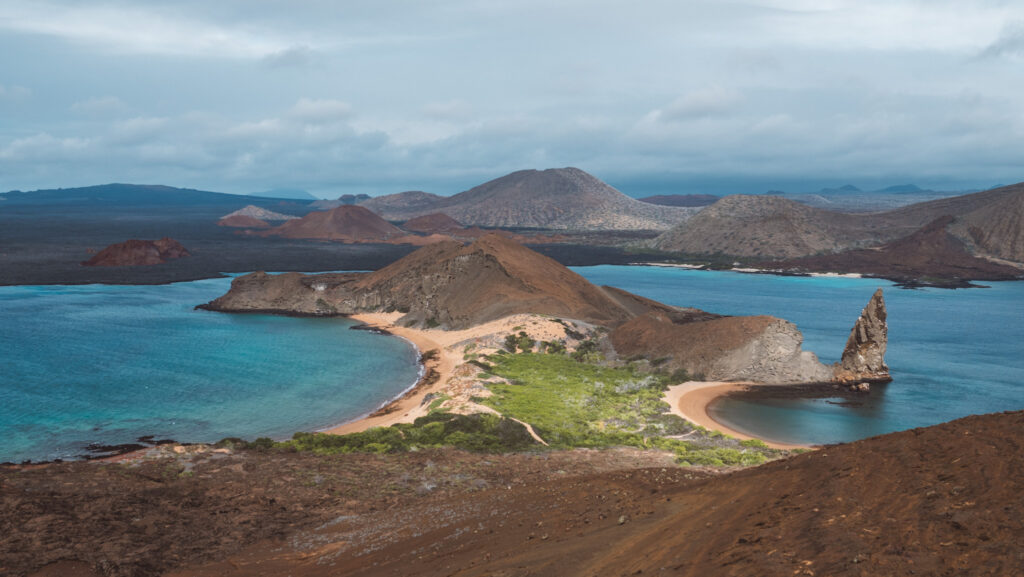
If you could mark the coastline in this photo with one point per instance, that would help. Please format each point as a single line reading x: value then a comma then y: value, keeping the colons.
x: 690, y: 400
x: 408, y: 406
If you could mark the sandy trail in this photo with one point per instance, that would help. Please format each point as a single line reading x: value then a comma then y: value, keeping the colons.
x: 410, y: 406
x: 690, y: 401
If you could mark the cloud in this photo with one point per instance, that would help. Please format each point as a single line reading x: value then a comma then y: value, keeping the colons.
x: 700, y: 103
x: 99, y: 105
x: 1009, y: 44
x: 14, y: 92
x: 133, y: 29
x: 320, y: 111
x: 292, y: 57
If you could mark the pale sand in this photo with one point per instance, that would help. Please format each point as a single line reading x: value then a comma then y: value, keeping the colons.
x: 690, y: 401
x: 450, y: 346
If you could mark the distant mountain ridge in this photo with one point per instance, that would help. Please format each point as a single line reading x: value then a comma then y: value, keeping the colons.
x: 559, y: 199
x: 992, y: 222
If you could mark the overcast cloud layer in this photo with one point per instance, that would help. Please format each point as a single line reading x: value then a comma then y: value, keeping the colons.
x: 381, y: 96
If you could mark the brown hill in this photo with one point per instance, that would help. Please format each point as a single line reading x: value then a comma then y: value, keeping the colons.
x: 767, y: 226
x: 929, y: 252
x: 435, y: 222
x: 445, y: 283
x: 560, y: 198
x: 453, y: 286
x: 347, y: 223
x: 138, y: 253
x: 997, y: 229
x: 941, y: 500
x: 410, y: 203
x: 242, y: 221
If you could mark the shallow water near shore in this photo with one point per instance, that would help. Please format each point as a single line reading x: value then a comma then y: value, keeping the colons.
x: 952, y: 353
x: 108, y: 364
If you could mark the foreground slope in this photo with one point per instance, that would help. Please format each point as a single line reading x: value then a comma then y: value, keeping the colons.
x: 942, y: 500
x: 558, y: 198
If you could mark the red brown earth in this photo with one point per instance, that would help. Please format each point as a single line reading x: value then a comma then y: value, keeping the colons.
x: 349, y: 223
x: 929, y: 252
x: 138, y: 253
x: 943, y: 500
x: 242, y: 221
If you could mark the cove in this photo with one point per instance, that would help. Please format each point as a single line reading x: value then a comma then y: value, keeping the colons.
x: 107, y: 364
x: 951, y: 353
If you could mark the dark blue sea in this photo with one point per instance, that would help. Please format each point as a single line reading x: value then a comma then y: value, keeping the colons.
x: 108, y: 364
x: 952, y: 353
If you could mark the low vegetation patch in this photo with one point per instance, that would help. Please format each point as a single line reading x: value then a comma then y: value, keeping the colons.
x: 572, y: 404
x: 479, y: 432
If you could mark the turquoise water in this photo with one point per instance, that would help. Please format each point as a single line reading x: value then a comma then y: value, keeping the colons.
x: 108, y: 364
x: 952, y: 353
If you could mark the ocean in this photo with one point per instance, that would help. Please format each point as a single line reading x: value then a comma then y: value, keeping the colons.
x: 951, y: 353
x: 108, y: 364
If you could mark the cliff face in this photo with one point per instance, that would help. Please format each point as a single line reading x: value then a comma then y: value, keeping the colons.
x: 763, y: 349
x: 138, y: 253
x: 864, y: 356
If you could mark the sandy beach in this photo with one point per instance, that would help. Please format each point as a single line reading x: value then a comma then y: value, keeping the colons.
x: 447, y: 379
x: 690, y: 401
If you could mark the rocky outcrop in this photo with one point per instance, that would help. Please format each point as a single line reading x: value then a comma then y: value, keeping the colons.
x: 863, y: 358
x: 762, y: 349
x: 138, y: 253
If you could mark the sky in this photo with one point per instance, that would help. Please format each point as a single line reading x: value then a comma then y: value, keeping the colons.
x: 380, y: 96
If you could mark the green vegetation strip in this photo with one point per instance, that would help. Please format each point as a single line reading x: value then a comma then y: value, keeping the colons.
x: 569, y: 403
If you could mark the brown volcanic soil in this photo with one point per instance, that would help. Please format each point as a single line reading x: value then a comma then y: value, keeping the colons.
x: 138, y: 253
x: 930, y: 252
x: 944, y: 500
x: 242, y: 221
x: 461, y: 286
x: 349, y: 223
x: 998, y: 227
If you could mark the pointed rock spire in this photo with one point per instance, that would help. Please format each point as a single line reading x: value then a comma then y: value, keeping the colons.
x: 864, y: 356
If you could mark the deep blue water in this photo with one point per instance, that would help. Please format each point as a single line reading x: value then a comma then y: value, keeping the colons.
x: 107, y: 364
x: 952, y: 353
